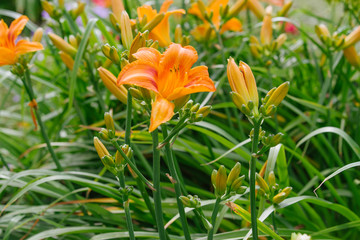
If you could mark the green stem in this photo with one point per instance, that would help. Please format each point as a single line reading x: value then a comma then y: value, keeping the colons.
x: 96, y: 86
x: 157, y: 193
x: 254, y: 150
x: 28, y: 86
x: 140, y: 184
x: 126, y: 206
x: 274, y: 221
x: 176, y: 183
x: 180, y: 125
x: 4, y: 162
x: 213, y: 218
x: 132, y: 165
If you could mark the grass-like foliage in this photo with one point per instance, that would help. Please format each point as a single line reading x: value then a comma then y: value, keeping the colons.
x: 218, y: 119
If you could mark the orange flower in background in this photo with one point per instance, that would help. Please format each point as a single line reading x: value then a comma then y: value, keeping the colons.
x: 9, y: 50
x: 169, y: 76
x: 162, y: 31
x: 233, y: 24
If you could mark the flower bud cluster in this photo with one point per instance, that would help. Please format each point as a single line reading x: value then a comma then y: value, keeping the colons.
x: 226, y: 186
x: 270, y: 189
x: 273, y: 98
x: 193, y: 112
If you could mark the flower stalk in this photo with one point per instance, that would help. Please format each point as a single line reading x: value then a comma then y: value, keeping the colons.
x: 175, y: 176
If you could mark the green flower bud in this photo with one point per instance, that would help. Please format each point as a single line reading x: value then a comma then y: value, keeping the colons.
x: 261, y: 182
x: 221, y: 178
x: 234, y: 173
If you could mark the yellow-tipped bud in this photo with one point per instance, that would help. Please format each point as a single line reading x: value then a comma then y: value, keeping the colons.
x: 234, y: 173
x: 110, y: 81
x: 48, y: 7
x: 236, y: 8
x: 323, y: 32
x: 262, y: 184
x: 178, y: 34
x: 100, y: 148
x: 138, y: 42
x: 352, y: 38
x: 67, y: 60
x: 62, y: 45
x: 256, y: 7
x: 114, y: 21
x: 352, y: 56
x: 117, y: 8
x: 266, y: 28
x: 213, y: 177
x: 73, y: 41
x: 202, y: 7
x: 109, y: 123
x: 79, y: 10
x: 126, y: 31
x: 285, y: 9
x: 38, y: 35
x: 287, y: 191
x: 278, y: 198
x: 254, y: 46
x: 271, y: 179
x: 280, y: 40
x: 278, y: 95
x: 204, y: 111
x: 154, y: 22
x: 119, y: 159
x: 242, y: 82
x: 61, y: 3
x: 221, y: 181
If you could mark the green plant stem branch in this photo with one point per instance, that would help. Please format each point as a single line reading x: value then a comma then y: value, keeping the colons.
x: 254, y: 150
x: 176, y: 183
x: 213, y: 218
x: 126, y: 206
x: 96, y: 86
x: 157, y: 193
x: 28, y: 86
x: 127, y: 139
x: 180, y: 125
x: 132, y: 165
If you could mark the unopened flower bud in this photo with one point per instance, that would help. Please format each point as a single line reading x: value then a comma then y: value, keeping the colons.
x: 278, y: 95
x: 178, y: 34
x: 195, y: 108
x: 280, y: 40
x: 109, y: 122
x: 352, y: 56
x: 180, y: 102
x: 236, y: 8
x: 234, y: 173
x: 352, y: 38
x: 138, y: 42
x: 285, y: 9
x: 271, y: 179
x: 256, y: 7
x: 104, y: 134
x: 287, y: 191
x: 278, y: 198
x: 119, y: 159
x: 185, y: 201
x: 213, y: 177
x: 126, y: 31
x: 62, y: 44
x: 204, y: 111
x: 48, y: 7
x: 73, y: 41
x: 100, y: 148
x: 109, y: 81
x: 154, y: 22
x: 221, y: 181
x: 67, y: 60
x: 261, y: 182
x: 266, y: 28
x: 38, y: 35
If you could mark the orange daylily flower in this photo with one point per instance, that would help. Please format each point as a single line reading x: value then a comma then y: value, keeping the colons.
x: 9, y: 50
x: 169, y: 76
x: 232, y: 24
x: 161, y: 31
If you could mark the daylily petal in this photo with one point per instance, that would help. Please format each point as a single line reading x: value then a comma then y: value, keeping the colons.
x: 24, y: 46
x: 162, y: 31
x: 139, y: 73
x: 3, y: 32
x: 198, y: 81
x: 165, y: 6
x: 161, y: 111
x: 179, y: 57
x: 174, y: 64
x: 214, y: 7
x: 148, y: 54
x: 146, y: 10
x: 232, y: 25
x: 194, y: 10
x: 16, y: 27
x: 7, y: 56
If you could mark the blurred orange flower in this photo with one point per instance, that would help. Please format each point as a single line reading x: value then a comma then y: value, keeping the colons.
x: 169, y: 76
x: 233, y: 24
x: 11, y: 50
x: 162, y: 31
